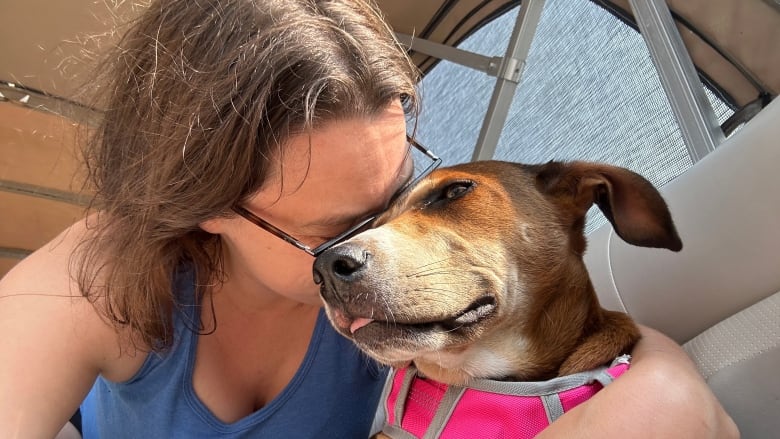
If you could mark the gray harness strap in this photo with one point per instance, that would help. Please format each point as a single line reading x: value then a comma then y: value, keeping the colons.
x: 444, y: 411
x: 552, y: 406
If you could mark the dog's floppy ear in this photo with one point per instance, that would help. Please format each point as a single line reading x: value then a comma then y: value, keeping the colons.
x: 633, y: 206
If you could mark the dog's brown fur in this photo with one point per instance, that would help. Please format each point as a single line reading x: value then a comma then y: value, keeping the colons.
x: 477, y: 272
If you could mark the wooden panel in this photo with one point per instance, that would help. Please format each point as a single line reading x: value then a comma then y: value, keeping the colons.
x: 49, y: 45
x: 6, y: 264
x: 28, y: 222
x: 38, y: 148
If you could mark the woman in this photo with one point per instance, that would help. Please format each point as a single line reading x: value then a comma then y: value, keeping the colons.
x: 165, y: 314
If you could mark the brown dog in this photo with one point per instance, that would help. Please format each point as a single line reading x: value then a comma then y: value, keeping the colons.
x: 477, y: 272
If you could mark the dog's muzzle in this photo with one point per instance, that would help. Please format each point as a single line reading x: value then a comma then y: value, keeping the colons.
x: 359, y: 288
x: 348, y: 285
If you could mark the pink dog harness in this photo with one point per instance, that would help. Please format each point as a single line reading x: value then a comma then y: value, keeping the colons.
x: 416, y: 407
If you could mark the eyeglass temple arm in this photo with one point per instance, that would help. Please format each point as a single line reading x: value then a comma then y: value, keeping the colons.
x: 271, y: 228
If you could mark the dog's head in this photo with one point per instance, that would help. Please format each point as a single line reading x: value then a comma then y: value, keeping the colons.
x: 477, y: 271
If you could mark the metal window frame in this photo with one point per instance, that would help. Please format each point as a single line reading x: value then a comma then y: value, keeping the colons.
x: 37, y: 100
x: 684, y: 91
x: 507, y: 70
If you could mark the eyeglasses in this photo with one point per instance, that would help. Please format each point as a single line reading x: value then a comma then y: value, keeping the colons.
x: 421, y: 153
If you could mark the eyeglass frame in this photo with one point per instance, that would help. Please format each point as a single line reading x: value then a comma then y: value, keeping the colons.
x: 353, y: 230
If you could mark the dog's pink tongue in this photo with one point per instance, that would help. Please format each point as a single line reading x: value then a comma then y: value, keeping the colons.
x: 359, y: 323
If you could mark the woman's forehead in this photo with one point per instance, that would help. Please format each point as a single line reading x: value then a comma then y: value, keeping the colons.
x: 356, y: 162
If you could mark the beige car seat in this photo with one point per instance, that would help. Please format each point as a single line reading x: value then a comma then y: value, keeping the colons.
x: 720, y: 296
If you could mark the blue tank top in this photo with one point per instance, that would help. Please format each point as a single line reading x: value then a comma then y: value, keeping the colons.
x: 334, y: 393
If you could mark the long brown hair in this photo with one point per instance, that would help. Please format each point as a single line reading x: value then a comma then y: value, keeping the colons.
x: 197, y: 96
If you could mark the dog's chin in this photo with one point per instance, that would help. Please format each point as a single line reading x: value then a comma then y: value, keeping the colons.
x: 399, y: 340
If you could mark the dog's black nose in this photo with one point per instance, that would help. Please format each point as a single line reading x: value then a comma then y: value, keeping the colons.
x: 341, y: 264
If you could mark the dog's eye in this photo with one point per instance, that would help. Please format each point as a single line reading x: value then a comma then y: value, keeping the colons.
x: 458, y: 189
x: 443, y: 194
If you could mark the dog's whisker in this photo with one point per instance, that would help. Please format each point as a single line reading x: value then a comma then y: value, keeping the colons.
x: 432, y: 289
x: 435, y: 262
x: 453, y: 273
x: 435, y: 284
x: 458, y: 274
x: 391, y: 317
x: 454, y: 329
x: 427, y: 267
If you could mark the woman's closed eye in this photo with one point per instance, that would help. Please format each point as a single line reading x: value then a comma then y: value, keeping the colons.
x: 327, y: 232
x: 317, y: 239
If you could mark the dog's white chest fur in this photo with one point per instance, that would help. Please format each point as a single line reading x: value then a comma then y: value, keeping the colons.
x: 479, y: 361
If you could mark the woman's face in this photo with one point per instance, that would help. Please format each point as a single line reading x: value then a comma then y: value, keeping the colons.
x: 323, y: 184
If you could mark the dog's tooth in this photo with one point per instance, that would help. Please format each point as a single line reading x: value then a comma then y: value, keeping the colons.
x: 359, y: 323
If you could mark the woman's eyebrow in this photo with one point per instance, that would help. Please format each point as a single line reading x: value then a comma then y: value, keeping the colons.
x: 341, y: 220
x: 334, y: 220
x: 347, y: 219
x: 406, y: 174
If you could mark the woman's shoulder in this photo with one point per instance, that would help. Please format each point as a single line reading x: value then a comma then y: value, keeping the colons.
x: 44, y: 284
x: 46, y: 272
